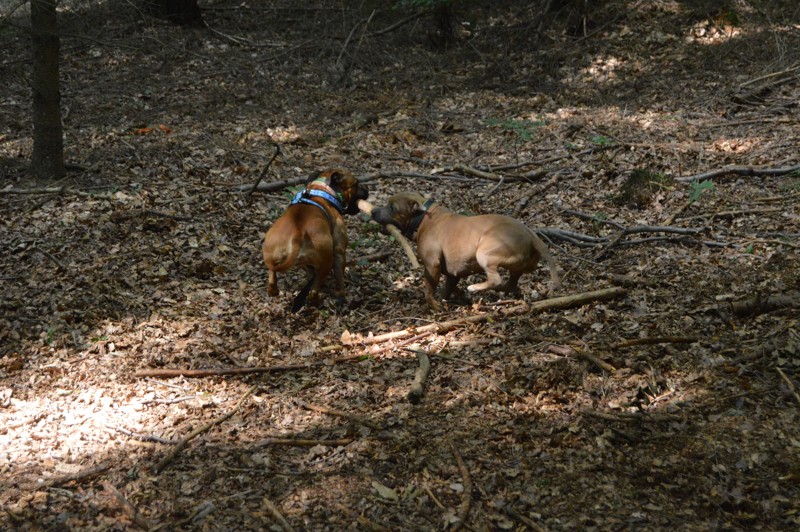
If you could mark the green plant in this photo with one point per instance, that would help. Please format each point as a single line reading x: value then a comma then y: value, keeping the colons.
x: 749, y: 249
x: 601, y: 140
x: 599, y: 218
x: 523, y: 128
x: 698, y: 187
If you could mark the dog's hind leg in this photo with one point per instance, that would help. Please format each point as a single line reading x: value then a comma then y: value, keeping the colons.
x: 490, y: 265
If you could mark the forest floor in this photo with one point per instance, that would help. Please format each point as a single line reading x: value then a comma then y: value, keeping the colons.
x: 147, y: 257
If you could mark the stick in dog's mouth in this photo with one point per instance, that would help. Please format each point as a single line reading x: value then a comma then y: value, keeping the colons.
x: 366, y: 207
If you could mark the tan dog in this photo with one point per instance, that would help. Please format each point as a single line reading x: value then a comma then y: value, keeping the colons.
x: 312, y: 233
x: 458, y: 246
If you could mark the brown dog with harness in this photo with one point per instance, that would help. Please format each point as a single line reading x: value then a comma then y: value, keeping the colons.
x: 312, y: 233
x: 458, y: 246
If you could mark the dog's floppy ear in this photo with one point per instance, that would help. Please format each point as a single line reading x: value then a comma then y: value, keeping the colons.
x: 335, y: 179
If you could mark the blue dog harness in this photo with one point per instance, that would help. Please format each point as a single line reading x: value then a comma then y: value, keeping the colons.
x: 305, y: 196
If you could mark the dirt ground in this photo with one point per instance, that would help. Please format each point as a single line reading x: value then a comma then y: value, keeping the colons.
x: 589, y: 126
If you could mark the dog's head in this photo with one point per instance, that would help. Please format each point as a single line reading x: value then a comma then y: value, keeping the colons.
x: 345, y: 185
x: 401, y: 211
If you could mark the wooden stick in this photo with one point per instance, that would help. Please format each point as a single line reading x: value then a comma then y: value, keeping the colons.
x: 76, y: 477
x: 291, y: 442
x: 130, y: 509
x: 184, y: 442
x: 263, y: 173
x: 192, y: 373
x: 789, y: 383
x: 284, y: 524
x: 339, y: 413
x: 421, y: 375
x: 739, y: 170
x: 656, y: 340
x: 367, y: 208
x: 556, y: 303
x: 466, y: 500
x: 568, y: 350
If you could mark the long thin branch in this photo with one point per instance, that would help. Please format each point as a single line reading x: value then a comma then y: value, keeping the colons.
x: 739, y: 170
x: 339, y: 413
x: 193, y: 373
x: 184, y: 442
x: 556, y: 303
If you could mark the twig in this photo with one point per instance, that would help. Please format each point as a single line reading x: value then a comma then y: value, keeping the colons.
x: 739, y: 170
x: 239, y: 371
x: 129, y: 508
x: 466, y: 500
x: 731, y: 214
x: 367, y: 208
x: 76, y: 477
x: 420, y: 376
x: 284, y: 524
x: 789, y: 383
x: 556, y: 303
x: 567, y: 350
x: 433, y: 497
x: 656, y: 340
x: 535, y: 192
x: 263, y: 173
x: 142, y: 437
x: 290, y: 442
x: 183, y: 443
x: 347, y: 415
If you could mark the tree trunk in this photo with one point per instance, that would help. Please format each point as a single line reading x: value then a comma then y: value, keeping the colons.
x: 47, y: 160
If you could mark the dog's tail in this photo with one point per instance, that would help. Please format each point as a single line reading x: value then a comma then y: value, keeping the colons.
x: 300, y: 298
x: 541, y: 247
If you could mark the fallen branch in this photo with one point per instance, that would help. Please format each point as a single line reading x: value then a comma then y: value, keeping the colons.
x: 291, y: 442
x: 761, y: 304
x: 263, y: 173
x: 129, y: 508
x: 420, y: 377
x: 77, y: 477
x: 194, y: 373
x: 566, y: 350
x: 732, y: 214
x: 655, y: 340
x: 367, y: 208
x: 55, y: 190
x: 739, y: 170
x: 556, y: 303
x: 466, y: 500
x: 789, y: 383
x: 284, y: 524
x: 533, y: 193
x: 184, y: 442
x: 347, y: 415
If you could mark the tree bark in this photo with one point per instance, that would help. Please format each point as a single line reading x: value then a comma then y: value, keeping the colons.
x: 47, y: 160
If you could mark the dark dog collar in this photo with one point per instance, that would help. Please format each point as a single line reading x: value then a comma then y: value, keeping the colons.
x: 417, y: 219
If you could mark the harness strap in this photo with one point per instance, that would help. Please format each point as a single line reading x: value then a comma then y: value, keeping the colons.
x: 302, y: 197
